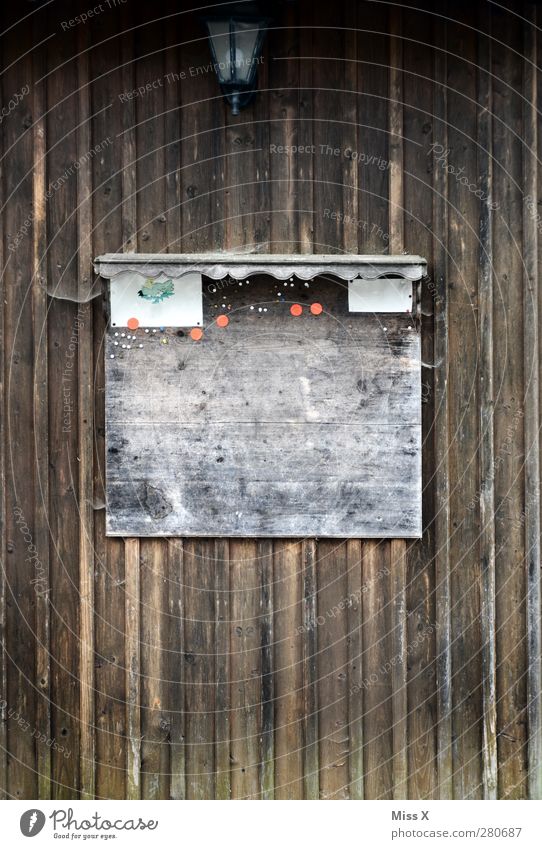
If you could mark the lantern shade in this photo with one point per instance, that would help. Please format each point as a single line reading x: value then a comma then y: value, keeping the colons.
x: 236, y: 44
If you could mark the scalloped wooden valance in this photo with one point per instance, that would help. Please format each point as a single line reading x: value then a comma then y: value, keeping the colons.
x: 217, y: 266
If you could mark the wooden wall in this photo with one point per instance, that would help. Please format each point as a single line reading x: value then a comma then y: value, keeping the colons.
x: 218, y: 668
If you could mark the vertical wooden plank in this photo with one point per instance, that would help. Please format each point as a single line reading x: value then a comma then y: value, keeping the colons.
x: 112, y: 672
x: 176, y: 723
x: 311, y: 757
x: 335, y: 135
x: 22, y: 561
x: 373, y: 132
x: 355, y: 666
x: 41, y: 417
x: 306, y: 114
x: 286, y: 128
x: 246, y: 670
x: 507, y: 468
x: 222, y: 669
x: 376, y: 684
x: 463, y: 250
x: 531, y: 395
x: 199, y: 673
x: 3, y: 494
x: 64, y: 353
x: 439, y: 292
x: 396, y: 206
x: 486, y: 449
x: 127, y: 138
x: 172, y: 29
x: 350, y: 134
x: 154, y: 678
x: 6, y: 547
x: 332, y: 669
x: 202, y: 150
x: 288, y: 669
x: 399, y: 667
x: 133, y: 667
x: 267, y: 769
x: 247, y: 175
x: 85, y: 427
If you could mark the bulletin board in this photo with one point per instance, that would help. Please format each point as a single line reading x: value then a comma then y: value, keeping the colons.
x: 287, y: 408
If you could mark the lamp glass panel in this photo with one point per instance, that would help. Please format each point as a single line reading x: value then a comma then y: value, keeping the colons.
x: 219, y: 33
x: 246, y: 41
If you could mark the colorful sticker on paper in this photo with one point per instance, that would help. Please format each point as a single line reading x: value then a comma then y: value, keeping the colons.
x: 157, y: 291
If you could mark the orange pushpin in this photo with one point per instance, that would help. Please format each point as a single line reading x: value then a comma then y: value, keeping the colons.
x: 196, y: 334
x: 133, y: 323
x: 316, y: 309
x: 222, y: 321
x: 296, y: 309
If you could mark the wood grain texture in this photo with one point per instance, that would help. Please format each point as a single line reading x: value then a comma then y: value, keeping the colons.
x: 21, y: 563
x: 354, y: 642
x: 175, y: 719
x: 155, y: 746
x: 486, y: 430
x: 4, y: 584
x: 439, y: 293
x: 509, y: 403
x: 41, y: 426
x: 463, y: 419
x: 288, y: 669
x: 222, y: 669
x: 63, y: 357
x: 132, y: 661
x: 319, y: 452
x: 311, y: 761
x: 199, y: 668
x: 376, y: 684
x: 531, y: 319
x: 332, y: 660
x: 85, y: 429
x: 246, y: 671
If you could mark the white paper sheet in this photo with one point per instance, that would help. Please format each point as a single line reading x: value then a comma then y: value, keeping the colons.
x: 161, y: 302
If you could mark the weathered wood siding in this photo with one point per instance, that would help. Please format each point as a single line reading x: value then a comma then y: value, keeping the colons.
x: 251, y: 668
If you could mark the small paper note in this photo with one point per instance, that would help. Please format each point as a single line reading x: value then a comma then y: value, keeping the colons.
x: 159, y: 302
x: 380, y: 295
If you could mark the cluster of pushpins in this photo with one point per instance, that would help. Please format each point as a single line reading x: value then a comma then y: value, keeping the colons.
x: 129, y: 340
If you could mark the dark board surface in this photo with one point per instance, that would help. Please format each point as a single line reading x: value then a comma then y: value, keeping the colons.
x: 272, y: 426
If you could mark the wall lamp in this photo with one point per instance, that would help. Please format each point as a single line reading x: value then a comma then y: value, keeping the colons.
x: 236, y: 46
